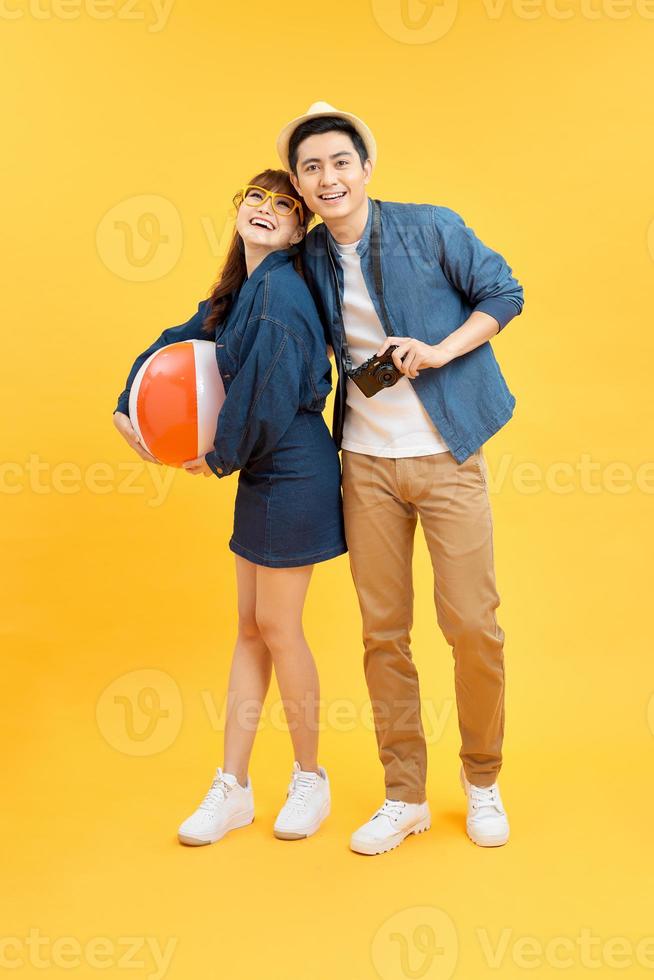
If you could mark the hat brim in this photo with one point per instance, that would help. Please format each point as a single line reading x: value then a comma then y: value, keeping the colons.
x: 284, y: 137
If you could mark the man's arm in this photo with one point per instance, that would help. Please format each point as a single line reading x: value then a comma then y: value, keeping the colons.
x: 412, y: 355
x: 478, y: 272
x: 486, y: 280
x: 477, y: 329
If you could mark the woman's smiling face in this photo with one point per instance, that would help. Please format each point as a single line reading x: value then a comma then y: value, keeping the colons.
x: 260, y: 226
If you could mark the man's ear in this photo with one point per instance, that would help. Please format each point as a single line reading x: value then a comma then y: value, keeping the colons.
x: 295, y: 182
x: 367, y: 170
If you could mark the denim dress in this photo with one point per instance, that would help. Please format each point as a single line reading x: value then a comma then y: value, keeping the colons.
x: 272, y: 359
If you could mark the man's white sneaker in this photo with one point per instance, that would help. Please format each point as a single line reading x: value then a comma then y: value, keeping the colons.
x: 486, y: 823
x: 307, y: 804
x: 388, y: 827
x: 226, y: 806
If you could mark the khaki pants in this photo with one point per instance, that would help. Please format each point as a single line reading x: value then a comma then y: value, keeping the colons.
x: 382, y: 499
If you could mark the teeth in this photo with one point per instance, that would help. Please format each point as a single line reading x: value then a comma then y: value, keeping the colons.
x: 259, y: 222
x: 332, y: 197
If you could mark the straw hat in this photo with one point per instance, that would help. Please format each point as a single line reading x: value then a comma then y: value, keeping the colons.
x: 325, y: 109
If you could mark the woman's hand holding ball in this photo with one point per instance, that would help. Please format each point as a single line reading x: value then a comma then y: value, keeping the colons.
x: 128, y: 432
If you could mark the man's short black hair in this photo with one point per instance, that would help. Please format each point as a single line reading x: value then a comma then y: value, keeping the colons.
x: 324, y: 124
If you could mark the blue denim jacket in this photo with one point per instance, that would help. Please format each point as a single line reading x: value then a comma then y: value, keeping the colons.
x: 435, y: 272
x: 272, y: 360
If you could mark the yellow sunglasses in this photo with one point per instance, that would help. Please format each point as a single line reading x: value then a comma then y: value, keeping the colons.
x: 282, y: 204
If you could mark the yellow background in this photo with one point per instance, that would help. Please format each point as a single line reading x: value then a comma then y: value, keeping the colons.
x: 534, y: 122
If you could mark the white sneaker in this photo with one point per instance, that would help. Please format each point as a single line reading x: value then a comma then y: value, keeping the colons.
x: 307, y: 804
x: 226, y: 806
x: 486, y: 823
x: 388, y: 827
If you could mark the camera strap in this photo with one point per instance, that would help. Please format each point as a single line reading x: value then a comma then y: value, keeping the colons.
x: 375, y: 249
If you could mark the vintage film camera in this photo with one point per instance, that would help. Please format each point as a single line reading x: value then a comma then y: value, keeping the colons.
x: 376, y: 373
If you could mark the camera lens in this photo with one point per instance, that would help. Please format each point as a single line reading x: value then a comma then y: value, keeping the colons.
x: 386, y: 377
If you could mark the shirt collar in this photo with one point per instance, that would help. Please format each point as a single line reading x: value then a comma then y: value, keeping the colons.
x: 365, y: 235
x: 271, y: 261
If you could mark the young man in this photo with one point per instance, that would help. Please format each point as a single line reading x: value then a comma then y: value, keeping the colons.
x: 416, y: 277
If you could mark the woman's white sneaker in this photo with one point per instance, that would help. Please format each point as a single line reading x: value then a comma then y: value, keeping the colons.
x: 486, y: 822
x: 226, y: 806
x: 307, y: 804
x: 388, y: 827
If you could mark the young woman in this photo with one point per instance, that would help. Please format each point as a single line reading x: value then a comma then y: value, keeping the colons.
x: 271, y: 352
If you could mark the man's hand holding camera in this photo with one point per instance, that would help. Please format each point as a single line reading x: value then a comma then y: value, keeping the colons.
x: 412, y: 355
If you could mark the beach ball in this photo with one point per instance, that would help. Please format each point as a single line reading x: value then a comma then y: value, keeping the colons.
x: 175, y: 400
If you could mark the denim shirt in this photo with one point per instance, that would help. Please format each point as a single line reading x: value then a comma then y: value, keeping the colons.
x: 271, y: 356
x: 435, y: 272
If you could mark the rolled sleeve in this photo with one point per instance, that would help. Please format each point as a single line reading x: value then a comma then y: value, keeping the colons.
x: 481, y: 274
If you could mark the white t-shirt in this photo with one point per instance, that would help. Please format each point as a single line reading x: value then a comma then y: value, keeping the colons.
x: 393, y: 422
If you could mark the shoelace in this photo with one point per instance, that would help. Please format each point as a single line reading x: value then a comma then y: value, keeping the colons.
x: 217, y: 793
x: 390, y: 808
x: 300, y: 790
x: 482, y: 796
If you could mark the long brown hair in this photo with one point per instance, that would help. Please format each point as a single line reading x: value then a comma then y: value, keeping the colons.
x: 234, y: 270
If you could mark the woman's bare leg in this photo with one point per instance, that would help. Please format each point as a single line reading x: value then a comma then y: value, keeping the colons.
x: 249, y: 677
x: 280, y: 595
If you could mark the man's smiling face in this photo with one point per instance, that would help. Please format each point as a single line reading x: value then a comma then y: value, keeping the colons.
x: 330, y: 176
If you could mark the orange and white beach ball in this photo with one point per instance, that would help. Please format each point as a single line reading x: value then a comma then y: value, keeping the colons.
x: 175, y: 400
